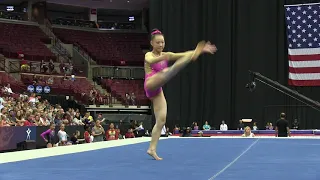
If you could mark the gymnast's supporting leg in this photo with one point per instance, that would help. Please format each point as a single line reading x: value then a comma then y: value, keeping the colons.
x: 160, y: 111
x: 161, y: 78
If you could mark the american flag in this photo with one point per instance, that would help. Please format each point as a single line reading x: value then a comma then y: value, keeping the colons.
x: 303, y: 35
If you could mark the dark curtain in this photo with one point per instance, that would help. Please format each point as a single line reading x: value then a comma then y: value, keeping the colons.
x: 250, y: 35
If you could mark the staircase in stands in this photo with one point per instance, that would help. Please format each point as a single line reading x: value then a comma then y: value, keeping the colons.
x: 103, y: 91
x: 56, y: 47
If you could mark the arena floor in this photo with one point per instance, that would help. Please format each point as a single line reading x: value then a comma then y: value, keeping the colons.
x: 220, y: 158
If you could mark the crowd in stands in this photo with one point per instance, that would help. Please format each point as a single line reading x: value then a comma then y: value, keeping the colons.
x: 92, y: 24
x: 30, y: 110
x: 11, y: 15
x: 96, y: 130
x: 186, y: 131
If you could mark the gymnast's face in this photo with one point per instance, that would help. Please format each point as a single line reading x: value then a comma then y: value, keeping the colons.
x: 158, y: 43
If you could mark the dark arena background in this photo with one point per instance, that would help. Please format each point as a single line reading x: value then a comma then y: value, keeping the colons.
x: 73, y: 100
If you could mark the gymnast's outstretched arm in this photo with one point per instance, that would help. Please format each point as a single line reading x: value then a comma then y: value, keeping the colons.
x: 175, y: 56
x: 149, y: 58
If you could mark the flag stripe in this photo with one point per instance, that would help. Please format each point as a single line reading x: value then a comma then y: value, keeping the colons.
x: 304, y: 70
x: 304, y: 82
x: 292, y: 5
x: 304, y: 76
x: 314, y: 57
x: 305, y: 51
x: 304, y: 64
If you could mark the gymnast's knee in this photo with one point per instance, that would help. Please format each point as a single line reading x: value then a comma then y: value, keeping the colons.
x: 161, y: 121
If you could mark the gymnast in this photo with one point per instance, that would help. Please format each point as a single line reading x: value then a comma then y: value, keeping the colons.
x: 157, y: 73
x: 49, y: 136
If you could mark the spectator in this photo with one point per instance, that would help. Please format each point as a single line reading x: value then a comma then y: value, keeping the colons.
x: 77, y: 119
x: 247, y: 132
x: 133, y: 99
x: 130, y: 134
x: 128, y: 99
x: 43, y: 67
x: 101, y: 119
x: 295, y: 124
x: 3, y: 121
x: 51, y: 66
x: 255, y: 127
x: 187, y: 132
x: 240, y: 126
x: 87, y: 135
x: 50, y: 80
x: 63, y: 136
x: 270, y: 126
x: 139, y: 130
x: 74, y: 138
x: 195, y: 126
x: 206, y: 126
x: 112, y: 133
x: 7, y: 89
x: 98, y: 132
x: 223, y: 126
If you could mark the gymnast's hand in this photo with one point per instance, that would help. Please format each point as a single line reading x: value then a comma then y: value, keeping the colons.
x: 209, y: 48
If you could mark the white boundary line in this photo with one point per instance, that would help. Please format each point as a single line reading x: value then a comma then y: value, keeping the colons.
x: 63, y: 150
x: 235, y: 160
x: 256, y: 137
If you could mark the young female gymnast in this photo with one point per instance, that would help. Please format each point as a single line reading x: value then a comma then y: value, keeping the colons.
x: 49, y: 136
x: 157, y: 73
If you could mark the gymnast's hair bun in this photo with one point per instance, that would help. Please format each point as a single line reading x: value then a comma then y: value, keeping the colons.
x: 155, y: 32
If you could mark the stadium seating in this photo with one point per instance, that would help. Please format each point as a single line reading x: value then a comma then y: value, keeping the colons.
x: 80, y: 88
x: 119, y: 87
x: 16, y: 85
x: 28, y: 39
x: 107, y: 48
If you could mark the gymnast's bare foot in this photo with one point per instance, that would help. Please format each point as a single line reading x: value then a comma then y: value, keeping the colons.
x: 153, y: 154
x: 197, y: 52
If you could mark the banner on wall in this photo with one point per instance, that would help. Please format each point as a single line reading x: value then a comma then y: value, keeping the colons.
x: 10, y: 136
x: 39, y: 89
x: 93, y: 15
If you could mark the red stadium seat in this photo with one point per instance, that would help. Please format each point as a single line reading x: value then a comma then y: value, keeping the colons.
x: 28, y: 39
x: 108, y: 48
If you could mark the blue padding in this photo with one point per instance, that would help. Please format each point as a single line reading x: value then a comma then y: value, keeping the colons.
x: 301, y: 131
x: 316, y: 132
x: 255, y: 132
x: 263, y: 132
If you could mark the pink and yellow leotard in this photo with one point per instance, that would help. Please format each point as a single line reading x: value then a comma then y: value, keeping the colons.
x: 150, y: 70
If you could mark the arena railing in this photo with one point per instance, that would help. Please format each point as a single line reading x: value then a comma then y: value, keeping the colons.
x: 125, y: 72
x: 14, y: 55
x: 83, y: 52
x: 15, y: 67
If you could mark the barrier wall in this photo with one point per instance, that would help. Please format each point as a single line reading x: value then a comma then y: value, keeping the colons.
x: 10, y: 136
x: 257, y: 132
